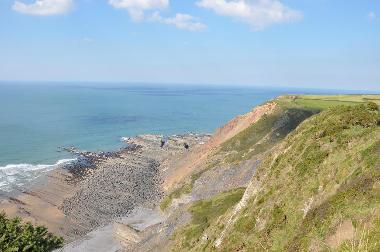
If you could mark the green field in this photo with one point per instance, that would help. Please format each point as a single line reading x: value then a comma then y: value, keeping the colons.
x: 326, y: 101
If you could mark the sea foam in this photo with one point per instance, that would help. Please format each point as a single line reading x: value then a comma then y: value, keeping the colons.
x: 14, y: 176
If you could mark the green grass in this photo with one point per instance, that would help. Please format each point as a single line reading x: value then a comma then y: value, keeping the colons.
x: 339, y: 147
x: 331, y: 165
x: 203, y: 214
x: 344, y: 98
x: 324, y: 102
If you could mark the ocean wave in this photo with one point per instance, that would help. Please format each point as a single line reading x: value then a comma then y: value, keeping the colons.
x: 14, y: 176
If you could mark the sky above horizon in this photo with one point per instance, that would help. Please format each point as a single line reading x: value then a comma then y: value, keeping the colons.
x: 304, y: 43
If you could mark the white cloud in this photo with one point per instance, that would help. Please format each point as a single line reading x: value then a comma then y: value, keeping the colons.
x: 259, y: 14
x: 180, y: 20
x: 136, y: 8
x: 371, y: 15
x: 44, y: 7
x: 88, y: 40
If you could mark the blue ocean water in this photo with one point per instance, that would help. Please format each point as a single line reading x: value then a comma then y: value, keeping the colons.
x: 36, y: 119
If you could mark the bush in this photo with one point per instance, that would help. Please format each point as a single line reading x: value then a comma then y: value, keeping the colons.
x: 359, y: 115
x: 372, y: 106
x: 16, y: 236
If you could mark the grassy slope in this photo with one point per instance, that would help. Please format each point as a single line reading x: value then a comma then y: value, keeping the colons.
x: 271, y: 129
x: 268, y: 131
x: 340, y: 152
x: 203, y: 214
x: 331, y: 164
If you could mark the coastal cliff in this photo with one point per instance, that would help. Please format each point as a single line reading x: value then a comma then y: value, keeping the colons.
x: 314, y: 190
x: 296, y: 173
x: 287, y: 182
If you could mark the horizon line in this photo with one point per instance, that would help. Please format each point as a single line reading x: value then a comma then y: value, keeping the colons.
x: 183, y: 84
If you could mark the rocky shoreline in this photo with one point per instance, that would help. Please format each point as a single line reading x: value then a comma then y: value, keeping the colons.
x: 100, y: 187
x: 109, y: 201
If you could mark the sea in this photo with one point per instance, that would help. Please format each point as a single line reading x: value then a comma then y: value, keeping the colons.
x: 37, y: 119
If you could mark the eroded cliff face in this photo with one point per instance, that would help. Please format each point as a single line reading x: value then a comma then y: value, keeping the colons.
x: 199, y: 157
x: 192, y: 177
x: 219, y: 168
x: 240, y: 123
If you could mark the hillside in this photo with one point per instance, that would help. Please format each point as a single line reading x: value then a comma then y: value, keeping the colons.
x: 248, y: 137
x: 235, y: 148
x: 318, y: 189
x: 297, y: 173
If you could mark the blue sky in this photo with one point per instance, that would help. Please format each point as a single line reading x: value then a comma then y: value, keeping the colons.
x: 304, y: 43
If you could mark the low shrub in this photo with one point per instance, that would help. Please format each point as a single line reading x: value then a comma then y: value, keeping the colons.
x: 18, y: 236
